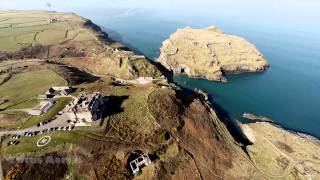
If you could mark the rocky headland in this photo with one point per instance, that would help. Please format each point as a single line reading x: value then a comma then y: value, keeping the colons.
x: 184, y: 134
x: 210, y: 54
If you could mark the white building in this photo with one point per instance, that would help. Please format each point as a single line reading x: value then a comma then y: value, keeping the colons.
x: 42, y: 108
x: 140, y: 161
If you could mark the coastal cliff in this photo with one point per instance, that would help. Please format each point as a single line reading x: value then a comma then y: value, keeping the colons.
x: 184, y: 133
x: 209, y: 53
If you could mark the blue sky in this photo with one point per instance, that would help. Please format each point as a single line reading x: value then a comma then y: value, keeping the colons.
x: 291, y: 13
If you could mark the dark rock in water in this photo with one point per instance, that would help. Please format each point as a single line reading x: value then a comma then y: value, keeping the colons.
x: 204, y: 95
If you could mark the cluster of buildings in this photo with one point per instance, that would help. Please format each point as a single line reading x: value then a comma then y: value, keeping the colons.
x: 47, y: 100
x: 87, y: 108
x: 53, y: 20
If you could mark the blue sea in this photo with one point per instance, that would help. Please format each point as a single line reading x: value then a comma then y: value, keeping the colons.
x: 287, y: 33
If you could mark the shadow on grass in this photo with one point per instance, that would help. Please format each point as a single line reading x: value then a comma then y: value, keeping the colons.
x: 114, y: 104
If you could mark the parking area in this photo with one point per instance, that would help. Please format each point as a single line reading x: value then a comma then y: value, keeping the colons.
x: 61, y: 122
x: 81, y: 111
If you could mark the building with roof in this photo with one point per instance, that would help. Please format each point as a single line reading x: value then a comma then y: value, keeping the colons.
x: 88, y: 108
x: 138, y: 163
x: 42, y: 108
x: 58, y: 91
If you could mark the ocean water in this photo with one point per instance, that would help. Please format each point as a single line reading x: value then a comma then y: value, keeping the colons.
x: 287, y: 33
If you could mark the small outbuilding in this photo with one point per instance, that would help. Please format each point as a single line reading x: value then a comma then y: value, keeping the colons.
x: 42, y: 108
x: 58, y: 91
x: 138, y: 163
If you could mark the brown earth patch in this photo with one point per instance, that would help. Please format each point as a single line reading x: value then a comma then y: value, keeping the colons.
x: 285, y: 147
x: 51, y: 166
x: 29, y: 52
x: 283, y: 162
x: 191, y: 125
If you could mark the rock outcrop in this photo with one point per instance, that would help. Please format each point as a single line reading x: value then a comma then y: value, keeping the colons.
x: 209, y: 54
x: 281, y: 154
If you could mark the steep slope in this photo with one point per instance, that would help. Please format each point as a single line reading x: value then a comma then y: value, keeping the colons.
x: 199, y: 132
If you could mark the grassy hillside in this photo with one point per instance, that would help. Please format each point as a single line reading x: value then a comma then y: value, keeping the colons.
x: 20, y: 29
x: 24, y: 86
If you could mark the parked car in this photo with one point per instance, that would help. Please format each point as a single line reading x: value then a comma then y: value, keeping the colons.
x: 13, y: 142
x: 15, y: 137
x: 42, y: 123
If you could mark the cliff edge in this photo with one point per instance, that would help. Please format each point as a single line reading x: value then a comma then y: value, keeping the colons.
x: 209, y: 53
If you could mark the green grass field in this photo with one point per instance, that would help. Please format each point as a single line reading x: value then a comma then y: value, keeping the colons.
x: 29, y: 144
x: 20, y: 29
x: 3, y: 76
x: 25, y: 86
x: 26, y: 104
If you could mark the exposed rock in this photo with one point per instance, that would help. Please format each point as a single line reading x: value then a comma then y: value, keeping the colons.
x: 256, y: 118
x: 248, y: 132
x: 279, y: 153
x: 209, y: 53
x: 202, y: 94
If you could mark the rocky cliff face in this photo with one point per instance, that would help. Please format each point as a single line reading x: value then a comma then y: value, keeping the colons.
x: 209, y: 53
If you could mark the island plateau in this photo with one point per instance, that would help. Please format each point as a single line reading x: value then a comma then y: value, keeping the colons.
x: 209, y: 54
